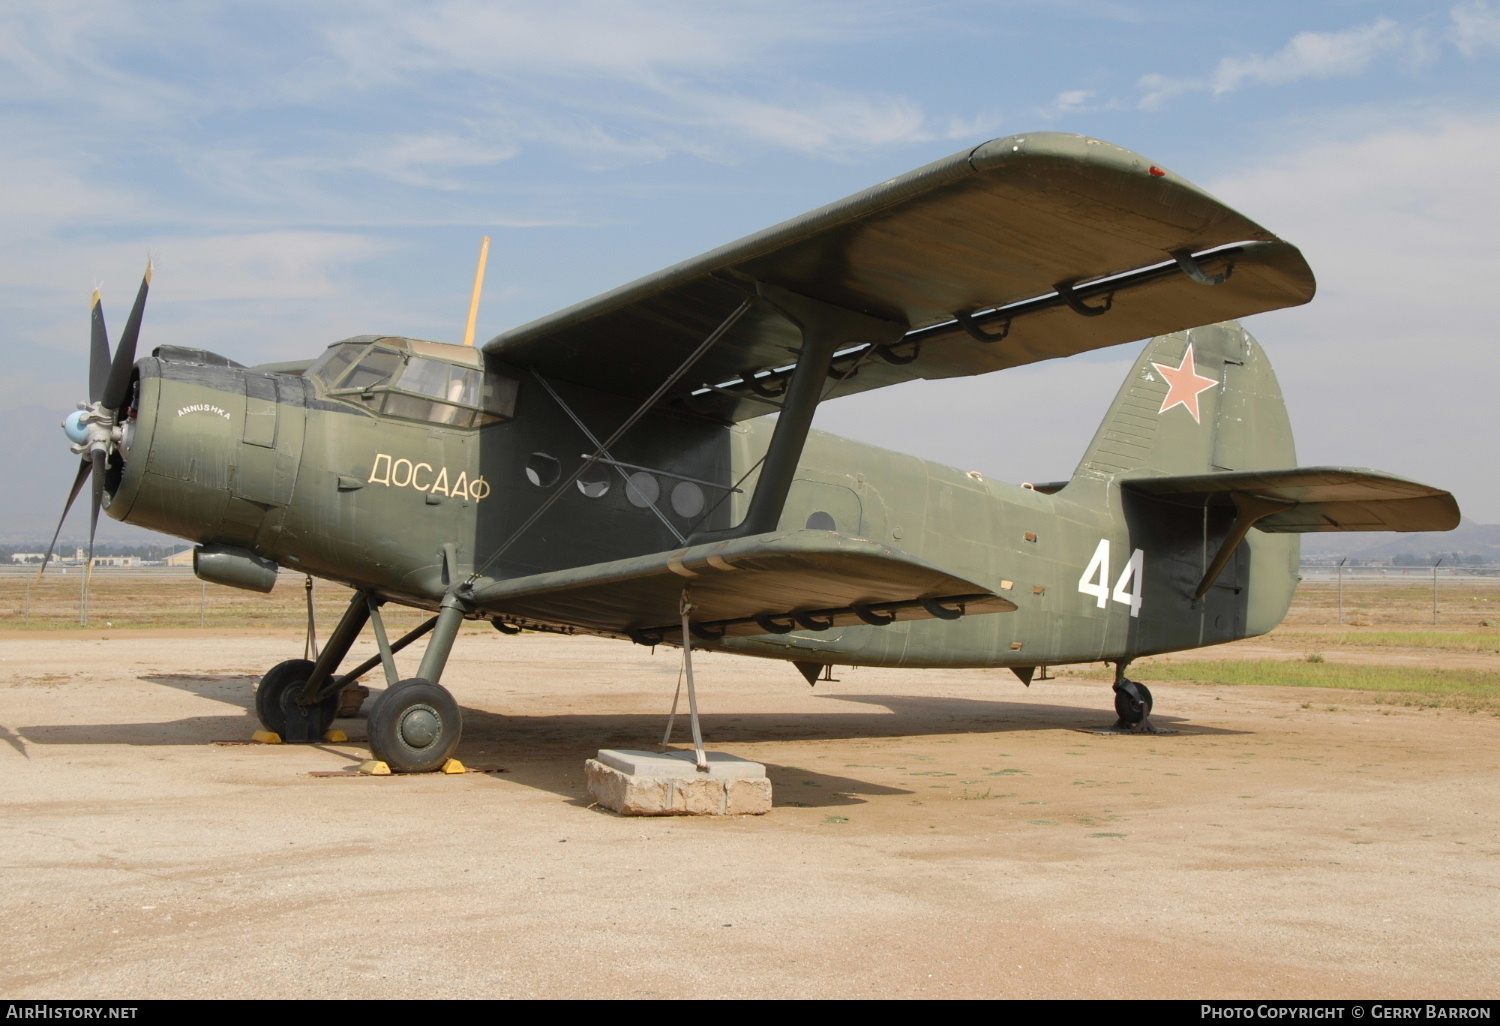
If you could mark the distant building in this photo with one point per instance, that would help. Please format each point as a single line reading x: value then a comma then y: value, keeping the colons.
x: 25, y: 557
x: 183, y: 558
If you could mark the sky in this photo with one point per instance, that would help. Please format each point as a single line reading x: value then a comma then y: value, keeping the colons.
x: 305, y: 172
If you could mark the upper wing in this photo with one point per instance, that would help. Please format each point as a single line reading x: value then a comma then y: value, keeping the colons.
x: 1030, y: 227
x: 819, y: 576
x: 1326, y: 498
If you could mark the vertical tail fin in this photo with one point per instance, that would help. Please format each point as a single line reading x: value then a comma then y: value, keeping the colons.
x: 1196, y: 401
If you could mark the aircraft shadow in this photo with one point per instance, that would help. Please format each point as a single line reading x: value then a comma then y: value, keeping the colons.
x: 230, y: 688
x: 544, y: 751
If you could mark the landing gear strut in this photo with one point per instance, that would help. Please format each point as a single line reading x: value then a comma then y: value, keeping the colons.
x: 1132, y: 704
x: 414, y: 724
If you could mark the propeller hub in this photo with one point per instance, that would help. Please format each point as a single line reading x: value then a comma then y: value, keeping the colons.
x: 92, y: 428
x: 74, y: 427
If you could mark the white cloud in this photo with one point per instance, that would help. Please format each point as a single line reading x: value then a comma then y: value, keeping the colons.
x: 1306, y: 55
x: 1311, y: 55
x: 263, y: 265
x: 1070, y: 101
x: 597, y: 38
x: 424, y: 160
x: 1475, y: 26
x: 661, y: 66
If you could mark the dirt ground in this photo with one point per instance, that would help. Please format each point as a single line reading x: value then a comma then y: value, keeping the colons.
x: 936, y: 833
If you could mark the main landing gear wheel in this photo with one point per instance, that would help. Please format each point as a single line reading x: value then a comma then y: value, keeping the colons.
x: 414, y: 726
x: 277, y: 707
x: 1133, y: 706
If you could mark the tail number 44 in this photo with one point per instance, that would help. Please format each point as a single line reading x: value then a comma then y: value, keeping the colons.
x: 1095, y: 580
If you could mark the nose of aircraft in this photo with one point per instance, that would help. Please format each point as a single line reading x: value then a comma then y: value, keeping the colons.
x: 95, y: 428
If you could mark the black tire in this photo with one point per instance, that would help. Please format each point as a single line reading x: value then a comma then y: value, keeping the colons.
x: 271, y: 687
x: 1132, y: 702
x: 414, y: 726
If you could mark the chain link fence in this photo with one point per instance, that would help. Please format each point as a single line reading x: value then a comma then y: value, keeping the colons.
x: 169, y: 597
x: 172, y: 597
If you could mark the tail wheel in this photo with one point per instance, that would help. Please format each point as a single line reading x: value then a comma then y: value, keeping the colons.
x: 1132, y: 702
x: 414, y: 726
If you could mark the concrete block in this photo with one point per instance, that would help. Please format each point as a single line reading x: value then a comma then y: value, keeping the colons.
x: 350, y: 699
x: 635, y: 783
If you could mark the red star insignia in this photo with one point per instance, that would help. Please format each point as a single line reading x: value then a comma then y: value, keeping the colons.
x: 1184, y: 383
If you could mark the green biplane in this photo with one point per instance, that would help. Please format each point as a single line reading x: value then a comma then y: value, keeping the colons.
x: 641, y: 466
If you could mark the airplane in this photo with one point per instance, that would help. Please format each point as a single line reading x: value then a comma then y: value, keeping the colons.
x: 642, y: 465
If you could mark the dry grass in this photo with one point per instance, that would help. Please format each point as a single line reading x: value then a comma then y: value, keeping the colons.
x: 1464, y: 601
x: 1471, y: 690
x: 1448, y: 641
x: 163, y: 599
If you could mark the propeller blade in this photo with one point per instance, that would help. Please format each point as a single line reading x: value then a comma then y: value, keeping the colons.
x: 83, y: 472
x: 98, y: 504
x: 98, y: 350
x: 118, y: 384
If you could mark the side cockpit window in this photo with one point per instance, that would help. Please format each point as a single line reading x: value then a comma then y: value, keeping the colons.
x: 331, y: 366
x: 399, y: 383
x: 376, y: 367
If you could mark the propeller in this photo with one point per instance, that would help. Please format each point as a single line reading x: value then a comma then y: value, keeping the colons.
x: 96, y: 427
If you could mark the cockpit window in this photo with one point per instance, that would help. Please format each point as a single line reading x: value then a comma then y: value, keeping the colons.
x: 328, y: 367
x: 441, y: 381
x: 413, y: 387
x: 376, y: 368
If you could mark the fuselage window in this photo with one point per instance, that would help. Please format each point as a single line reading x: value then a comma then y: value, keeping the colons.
x: 642, y: 489
x: 687, y: 499
x: 543, y: 470
x: 594, y: 482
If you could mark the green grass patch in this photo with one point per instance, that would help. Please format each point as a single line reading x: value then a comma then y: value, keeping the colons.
x: 1403, y: 685
x: 1448, y: 641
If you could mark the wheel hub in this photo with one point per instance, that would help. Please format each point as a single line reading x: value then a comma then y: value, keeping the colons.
x: 420, y: 726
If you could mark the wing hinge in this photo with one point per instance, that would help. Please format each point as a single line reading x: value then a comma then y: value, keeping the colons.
x: 949, y: 607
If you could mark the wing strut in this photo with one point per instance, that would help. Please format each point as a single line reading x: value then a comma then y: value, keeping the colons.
x: 826, y: 329
x: 687, y: 671
x: 1248, y: 509
x: 630, y: 422
x: 606, y: 458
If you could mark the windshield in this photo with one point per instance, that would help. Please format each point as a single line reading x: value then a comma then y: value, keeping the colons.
x: 416, y: 387
x: 334, y: 361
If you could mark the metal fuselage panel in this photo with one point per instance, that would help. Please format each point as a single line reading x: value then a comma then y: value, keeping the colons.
x: 324, y: 486
x: 222, y: 454
x: 1033, y: 549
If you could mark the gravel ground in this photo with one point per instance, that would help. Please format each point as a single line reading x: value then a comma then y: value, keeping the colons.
x: 936, y: 833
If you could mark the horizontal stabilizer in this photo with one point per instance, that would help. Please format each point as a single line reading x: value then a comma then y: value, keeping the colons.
x: 1316, y: 498
x: 767, y: 583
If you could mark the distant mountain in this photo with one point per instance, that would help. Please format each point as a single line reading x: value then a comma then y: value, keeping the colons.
x: 1468, y: 539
